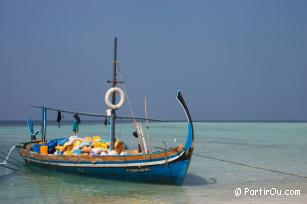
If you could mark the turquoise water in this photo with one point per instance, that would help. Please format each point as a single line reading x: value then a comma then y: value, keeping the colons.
x: 279, y: 146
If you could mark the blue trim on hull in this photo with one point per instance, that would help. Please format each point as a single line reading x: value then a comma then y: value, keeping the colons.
x: 109, y: 162
x: 171, y: 173
x: 190, y: 138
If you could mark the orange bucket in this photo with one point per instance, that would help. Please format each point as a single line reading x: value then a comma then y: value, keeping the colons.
x: 44, y: 149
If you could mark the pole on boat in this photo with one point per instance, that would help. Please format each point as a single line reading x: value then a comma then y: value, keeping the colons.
x: 114, y: 81
x: 44, y: 121
x: 147, y: 126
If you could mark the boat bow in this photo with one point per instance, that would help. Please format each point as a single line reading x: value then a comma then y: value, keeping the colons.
x: 189, y: 144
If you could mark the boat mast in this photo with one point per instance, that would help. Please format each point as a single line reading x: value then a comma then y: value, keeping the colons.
x: 114, y: 81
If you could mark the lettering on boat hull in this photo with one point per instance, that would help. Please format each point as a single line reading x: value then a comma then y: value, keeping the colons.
x: 138, y: 170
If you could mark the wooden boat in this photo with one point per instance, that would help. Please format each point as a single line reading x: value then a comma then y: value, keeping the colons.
x: 165, y: 166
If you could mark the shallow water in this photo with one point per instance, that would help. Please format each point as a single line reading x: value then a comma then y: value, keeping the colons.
x: 279, y: 146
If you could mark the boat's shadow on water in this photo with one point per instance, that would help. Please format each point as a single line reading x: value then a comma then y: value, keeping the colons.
x: 194, y: 180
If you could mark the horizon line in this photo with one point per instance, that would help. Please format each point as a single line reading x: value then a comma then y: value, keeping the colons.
x: 1, y: 121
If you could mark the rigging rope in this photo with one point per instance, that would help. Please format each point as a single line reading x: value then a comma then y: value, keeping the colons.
x: 3, y: 164
x: 10, y: 162
x: 16, y: 160
x: 124, y: 87
x: 250, y: 166
x: 8, y: 155
x: 138, y: 125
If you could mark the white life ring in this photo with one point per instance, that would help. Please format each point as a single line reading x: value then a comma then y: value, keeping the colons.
x: 109, y: 93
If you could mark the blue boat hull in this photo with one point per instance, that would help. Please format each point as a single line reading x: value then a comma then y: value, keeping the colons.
x: 168, y: 173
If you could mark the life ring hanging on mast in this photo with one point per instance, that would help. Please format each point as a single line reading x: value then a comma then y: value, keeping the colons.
x: 109, y: 93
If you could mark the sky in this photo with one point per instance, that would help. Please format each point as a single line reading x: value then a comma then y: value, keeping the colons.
x: 233, y: 60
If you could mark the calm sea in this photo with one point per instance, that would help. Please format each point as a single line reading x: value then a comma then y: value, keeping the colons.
x: 278, y: 146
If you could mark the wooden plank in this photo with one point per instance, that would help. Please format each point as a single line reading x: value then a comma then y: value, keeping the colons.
x: 86, y: 158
